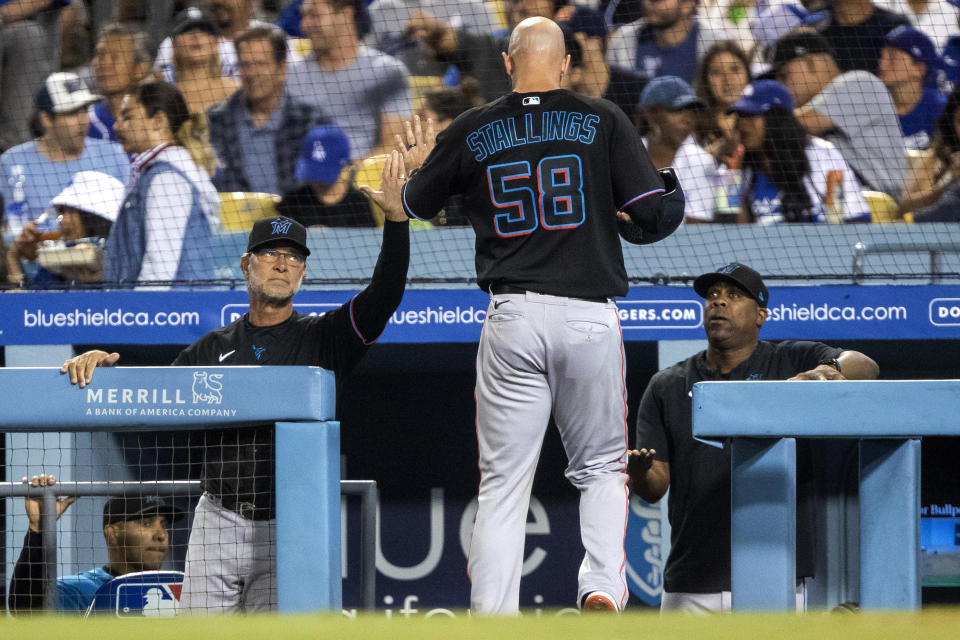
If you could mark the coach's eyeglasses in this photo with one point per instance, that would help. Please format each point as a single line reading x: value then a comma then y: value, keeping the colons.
x: 270, y: 256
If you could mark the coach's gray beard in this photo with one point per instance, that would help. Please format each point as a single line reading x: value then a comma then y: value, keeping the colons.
x: 262, y: 297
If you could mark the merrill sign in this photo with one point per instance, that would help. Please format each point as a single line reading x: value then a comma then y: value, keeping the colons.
x: 206, y: 389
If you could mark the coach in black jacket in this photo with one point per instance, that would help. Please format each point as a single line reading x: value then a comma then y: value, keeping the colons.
x: 231, y: 560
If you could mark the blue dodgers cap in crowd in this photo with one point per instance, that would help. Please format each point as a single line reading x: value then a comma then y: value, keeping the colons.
x: 64, y: 92
x: 138, y: 507
x: 915, y: 43
x: 279, y: 230
x: 761, y: 96
x: 324, y: 152
x: 740, y: 274
x: 670, y: 92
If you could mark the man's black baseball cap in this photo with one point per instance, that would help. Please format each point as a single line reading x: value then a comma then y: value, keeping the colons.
x: 740, y: 274
x: 796, y: 45
x: 137, y: 507
x: 279, y: 230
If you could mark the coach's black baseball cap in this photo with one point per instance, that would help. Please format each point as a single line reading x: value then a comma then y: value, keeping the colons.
x: 740, y: 274
x: 137, y: 507
x: 280, y: 230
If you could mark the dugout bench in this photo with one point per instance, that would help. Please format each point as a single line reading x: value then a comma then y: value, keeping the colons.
x: 760, y: 421
x: 299, y: 400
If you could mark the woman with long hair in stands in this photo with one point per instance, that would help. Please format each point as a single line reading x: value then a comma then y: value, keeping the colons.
x: 162, y: 233
x: 721, y: 78
x: 790, y: 176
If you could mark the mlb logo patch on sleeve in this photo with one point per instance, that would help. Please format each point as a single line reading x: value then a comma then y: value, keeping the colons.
x: 530, y: 101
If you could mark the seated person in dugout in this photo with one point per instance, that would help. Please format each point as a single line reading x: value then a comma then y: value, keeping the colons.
x: 84, y: 213
x: 135, y: 528
x: 326, y: 197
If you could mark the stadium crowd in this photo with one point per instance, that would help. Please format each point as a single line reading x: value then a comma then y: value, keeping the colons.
x: 772, y: 111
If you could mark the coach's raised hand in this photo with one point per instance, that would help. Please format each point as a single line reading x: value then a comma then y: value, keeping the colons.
x: 391, y: 184
x: 81, y: 367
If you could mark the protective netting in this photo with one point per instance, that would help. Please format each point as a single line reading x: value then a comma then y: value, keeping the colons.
x: 142, y: 140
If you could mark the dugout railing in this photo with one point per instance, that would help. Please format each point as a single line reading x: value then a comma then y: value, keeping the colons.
x: 301, y: 405
x: 887, y: 417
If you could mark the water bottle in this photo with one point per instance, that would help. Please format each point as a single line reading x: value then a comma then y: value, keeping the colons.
x: 727, y: 185
x: 17, y: 212
x: 727, y: 194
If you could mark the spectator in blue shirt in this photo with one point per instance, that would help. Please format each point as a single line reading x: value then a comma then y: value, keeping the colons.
x: 668, y: 40
x: 135, y: 528
x: 32, y: 173
x: 908, y: 68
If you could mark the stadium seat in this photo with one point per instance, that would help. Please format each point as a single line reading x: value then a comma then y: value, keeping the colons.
x: 499, y: 11
x: 240, y: 209
x: 883, y: 208
x: 368, y: 172
x: 420, y: 86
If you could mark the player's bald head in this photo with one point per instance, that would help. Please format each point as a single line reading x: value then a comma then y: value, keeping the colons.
x: 538, y: 41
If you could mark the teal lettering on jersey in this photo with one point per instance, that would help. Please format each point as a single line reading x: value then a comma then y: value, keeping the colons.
x: 507, y: 133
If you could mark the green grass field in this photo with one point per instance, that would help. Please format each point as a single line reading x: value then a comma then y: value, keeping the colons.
x: 934, y: 624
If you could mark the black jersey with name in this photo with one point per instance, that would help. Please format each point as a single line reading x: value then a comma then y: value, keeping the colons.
x: 238, y: 464
x: 542, y: 175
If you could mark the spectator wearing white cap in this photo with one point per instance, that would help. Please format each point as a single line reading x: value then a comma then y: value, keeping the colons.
x: 326, y: 197
x: 84, y: 212
x: 32, y: 173
x: 908, y: 68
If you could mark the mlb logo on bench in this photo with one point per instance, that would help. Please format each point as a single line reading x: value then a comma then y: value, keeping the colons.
x: 148, y: 594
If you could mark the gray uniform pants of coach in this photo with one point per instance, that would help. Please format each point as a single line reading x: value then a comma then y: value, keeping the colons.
x: 231, y: 562
x: 541, y: 354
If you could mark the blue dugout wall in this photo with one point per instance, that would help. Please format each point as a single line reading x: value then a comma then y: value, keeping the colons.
x: 407, y: 412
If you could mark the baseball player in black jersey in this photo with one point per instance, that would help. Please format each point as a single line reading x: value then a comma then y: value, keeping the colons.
x: 544, y: 173
x: 231, y: 561
x: 697, y: 574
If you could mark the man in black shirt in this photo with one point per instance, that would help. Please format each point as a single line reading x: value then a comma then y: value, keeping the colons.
x: 857, y: 29
x: 697, y: 574
x: 231, y: 562
x: 543, y: 173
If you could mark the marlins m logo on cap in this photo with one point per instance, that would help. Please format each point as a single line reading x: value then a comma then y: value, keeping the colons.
x: 280, y: 226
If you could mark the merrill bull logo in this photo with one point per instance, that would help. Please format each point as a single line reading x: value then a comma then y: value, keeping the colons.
x: 206, y: 387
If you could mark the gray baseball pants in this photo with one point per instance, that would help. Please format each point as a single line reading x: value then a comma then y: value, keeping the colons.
x: 538, y: 355
x: 231, y: 562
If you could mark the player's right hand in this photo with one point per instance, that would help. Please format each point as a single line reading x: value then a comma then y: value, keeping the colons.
x: 81, y: 367
x: 32, y: 505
